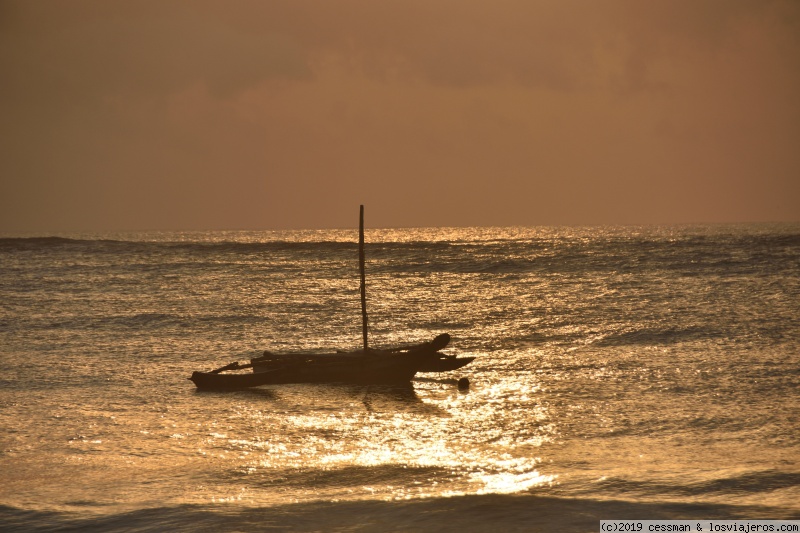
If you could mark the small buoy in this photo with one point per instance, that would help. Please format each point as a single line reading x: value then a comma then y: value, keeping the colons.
x: 463, y: 384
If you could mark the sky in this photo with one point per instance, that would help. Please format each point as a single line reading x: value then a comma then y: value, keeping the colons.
x: 280, y: 114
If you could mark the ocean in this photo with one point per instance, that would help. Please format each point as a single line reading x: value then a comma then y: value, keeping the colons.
x: 620, y: 373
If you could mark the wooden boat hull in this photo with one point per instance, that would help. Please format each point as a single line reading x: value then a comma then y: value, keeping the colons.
x: 355, y: 367
x: 438, y: 363
x: 220, y: 381
x: 369, y: 369
x: 393, y: 366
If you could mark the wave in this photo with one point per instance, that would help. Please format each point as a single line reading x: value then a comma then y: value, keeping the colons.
x: 744, y: 483
x: 321, y: 249
x: 135, y: 321
x: 99, y: 245
x: 352, y: 475
x: 32, y: 243
x: 492, y: 512
x: 658, y: 337
x: 687, y: 255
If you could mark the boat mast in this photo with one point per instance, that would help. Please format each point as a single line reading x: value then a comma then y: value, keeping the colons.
x: 363, y: 277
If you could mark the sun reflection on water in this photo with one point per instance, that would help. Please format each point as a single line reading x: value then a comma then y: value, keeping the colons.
x: 440, y: 441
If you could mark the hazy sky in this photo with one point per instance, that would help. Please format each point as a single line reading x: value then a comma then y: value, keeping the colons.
x: 267, y: 114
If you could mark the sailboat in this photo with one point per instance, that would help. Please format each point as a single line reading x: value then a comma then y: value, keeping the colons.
x: 367, y: 365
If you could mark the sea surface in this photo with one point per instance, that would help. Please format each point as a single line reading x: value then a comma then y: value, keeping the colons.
x: 620, y: 373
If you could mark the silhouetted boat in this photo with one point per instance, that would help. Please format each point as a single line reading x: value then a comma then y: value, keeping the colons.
x: 386, y: 366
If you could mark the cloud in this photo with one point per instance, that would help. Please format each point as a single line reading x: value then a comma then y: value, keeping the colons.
x: 247, y: 113
x: 565, y: 45
x: 83, y: 51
